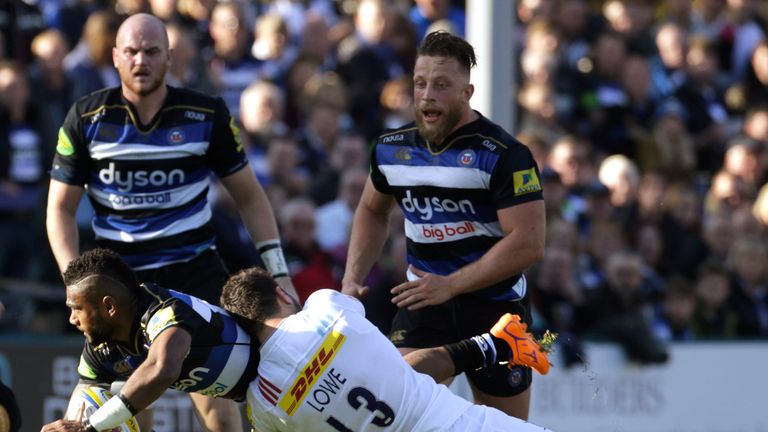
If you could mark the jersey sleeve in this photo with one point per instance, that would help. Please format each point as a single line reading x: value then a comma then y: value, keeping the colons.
x: 377, y: 177
x: 225, y: 154
x: 72, y: 159
x: 171, y: 313
x: 515, y: 178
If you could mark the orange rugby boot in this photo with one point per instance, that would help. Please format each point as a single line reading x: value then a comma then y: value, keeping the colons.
x: 525, y: 350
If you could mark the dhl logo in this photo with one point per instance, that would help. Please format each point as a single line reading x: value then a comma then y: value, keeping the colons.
x: 313, y: 369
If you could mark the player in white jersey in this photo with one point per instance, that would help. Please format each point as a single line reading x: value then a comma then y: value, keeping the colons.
x: 327, y: 368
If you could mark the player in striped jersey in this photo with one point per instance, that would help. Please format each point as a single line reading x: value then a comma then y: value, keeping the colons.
x: 474, y: 219
x: 326, y: 368
x: 153, y: 339
x: 144, y: 153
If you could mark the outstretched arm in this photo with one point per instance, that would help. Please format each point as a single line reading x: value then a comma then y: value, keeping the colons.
x: 60, y: 223
x: 256, y: 211
x: 369, y: 233
x: 146, y: 384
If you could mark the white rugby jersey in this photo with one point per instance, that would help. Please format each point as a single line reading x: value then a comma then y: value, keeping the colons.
x: 327, y: 368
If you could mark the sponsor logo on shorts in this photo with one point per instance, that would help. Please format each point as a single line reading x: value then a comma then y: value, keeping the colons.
x: 515, y: 377
x: 397, y: 336
x: 311, y: 371
x: 526, y: 181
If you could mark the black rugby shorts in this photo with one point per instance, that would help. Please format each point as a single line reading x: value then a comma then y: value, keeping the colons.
x: 460, y: 318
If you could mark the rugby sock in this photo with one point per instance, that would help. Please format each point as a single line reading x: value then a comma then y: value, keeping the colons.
x: 477, y: 352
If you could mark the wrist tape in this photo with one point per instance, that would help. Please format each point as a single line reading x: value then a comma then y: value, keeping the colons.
x: 273, y: 258
x: 116, y: 411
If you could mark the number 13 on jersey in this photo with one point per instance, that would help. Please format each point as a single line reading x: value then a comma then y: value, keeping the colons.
x: 360, y: 397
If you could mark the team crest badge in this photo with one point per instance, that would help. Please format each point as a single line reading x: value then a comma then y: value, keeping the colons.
x: 176, y: 137
x: 467, y: 158
x: 403, y: 154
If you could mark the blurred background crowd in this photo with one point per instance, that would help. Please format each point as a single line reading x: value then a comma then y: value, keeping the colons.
x: 648, y: 119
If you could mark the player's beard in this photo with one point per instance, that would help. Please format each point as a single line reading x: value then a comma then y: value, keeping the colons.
x: 98, y: 334
x: 157, y: 79
x: 436, y: 132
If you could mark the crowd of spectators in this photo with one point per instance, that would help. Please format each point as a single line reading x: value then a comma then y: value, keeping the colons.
x: 648, y: 119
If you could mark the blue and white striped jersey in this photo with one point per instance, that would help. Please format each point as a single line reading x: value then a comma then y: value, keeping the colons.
x: 450, y: 195
x: 221, y: 360
x: 148, y: 183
